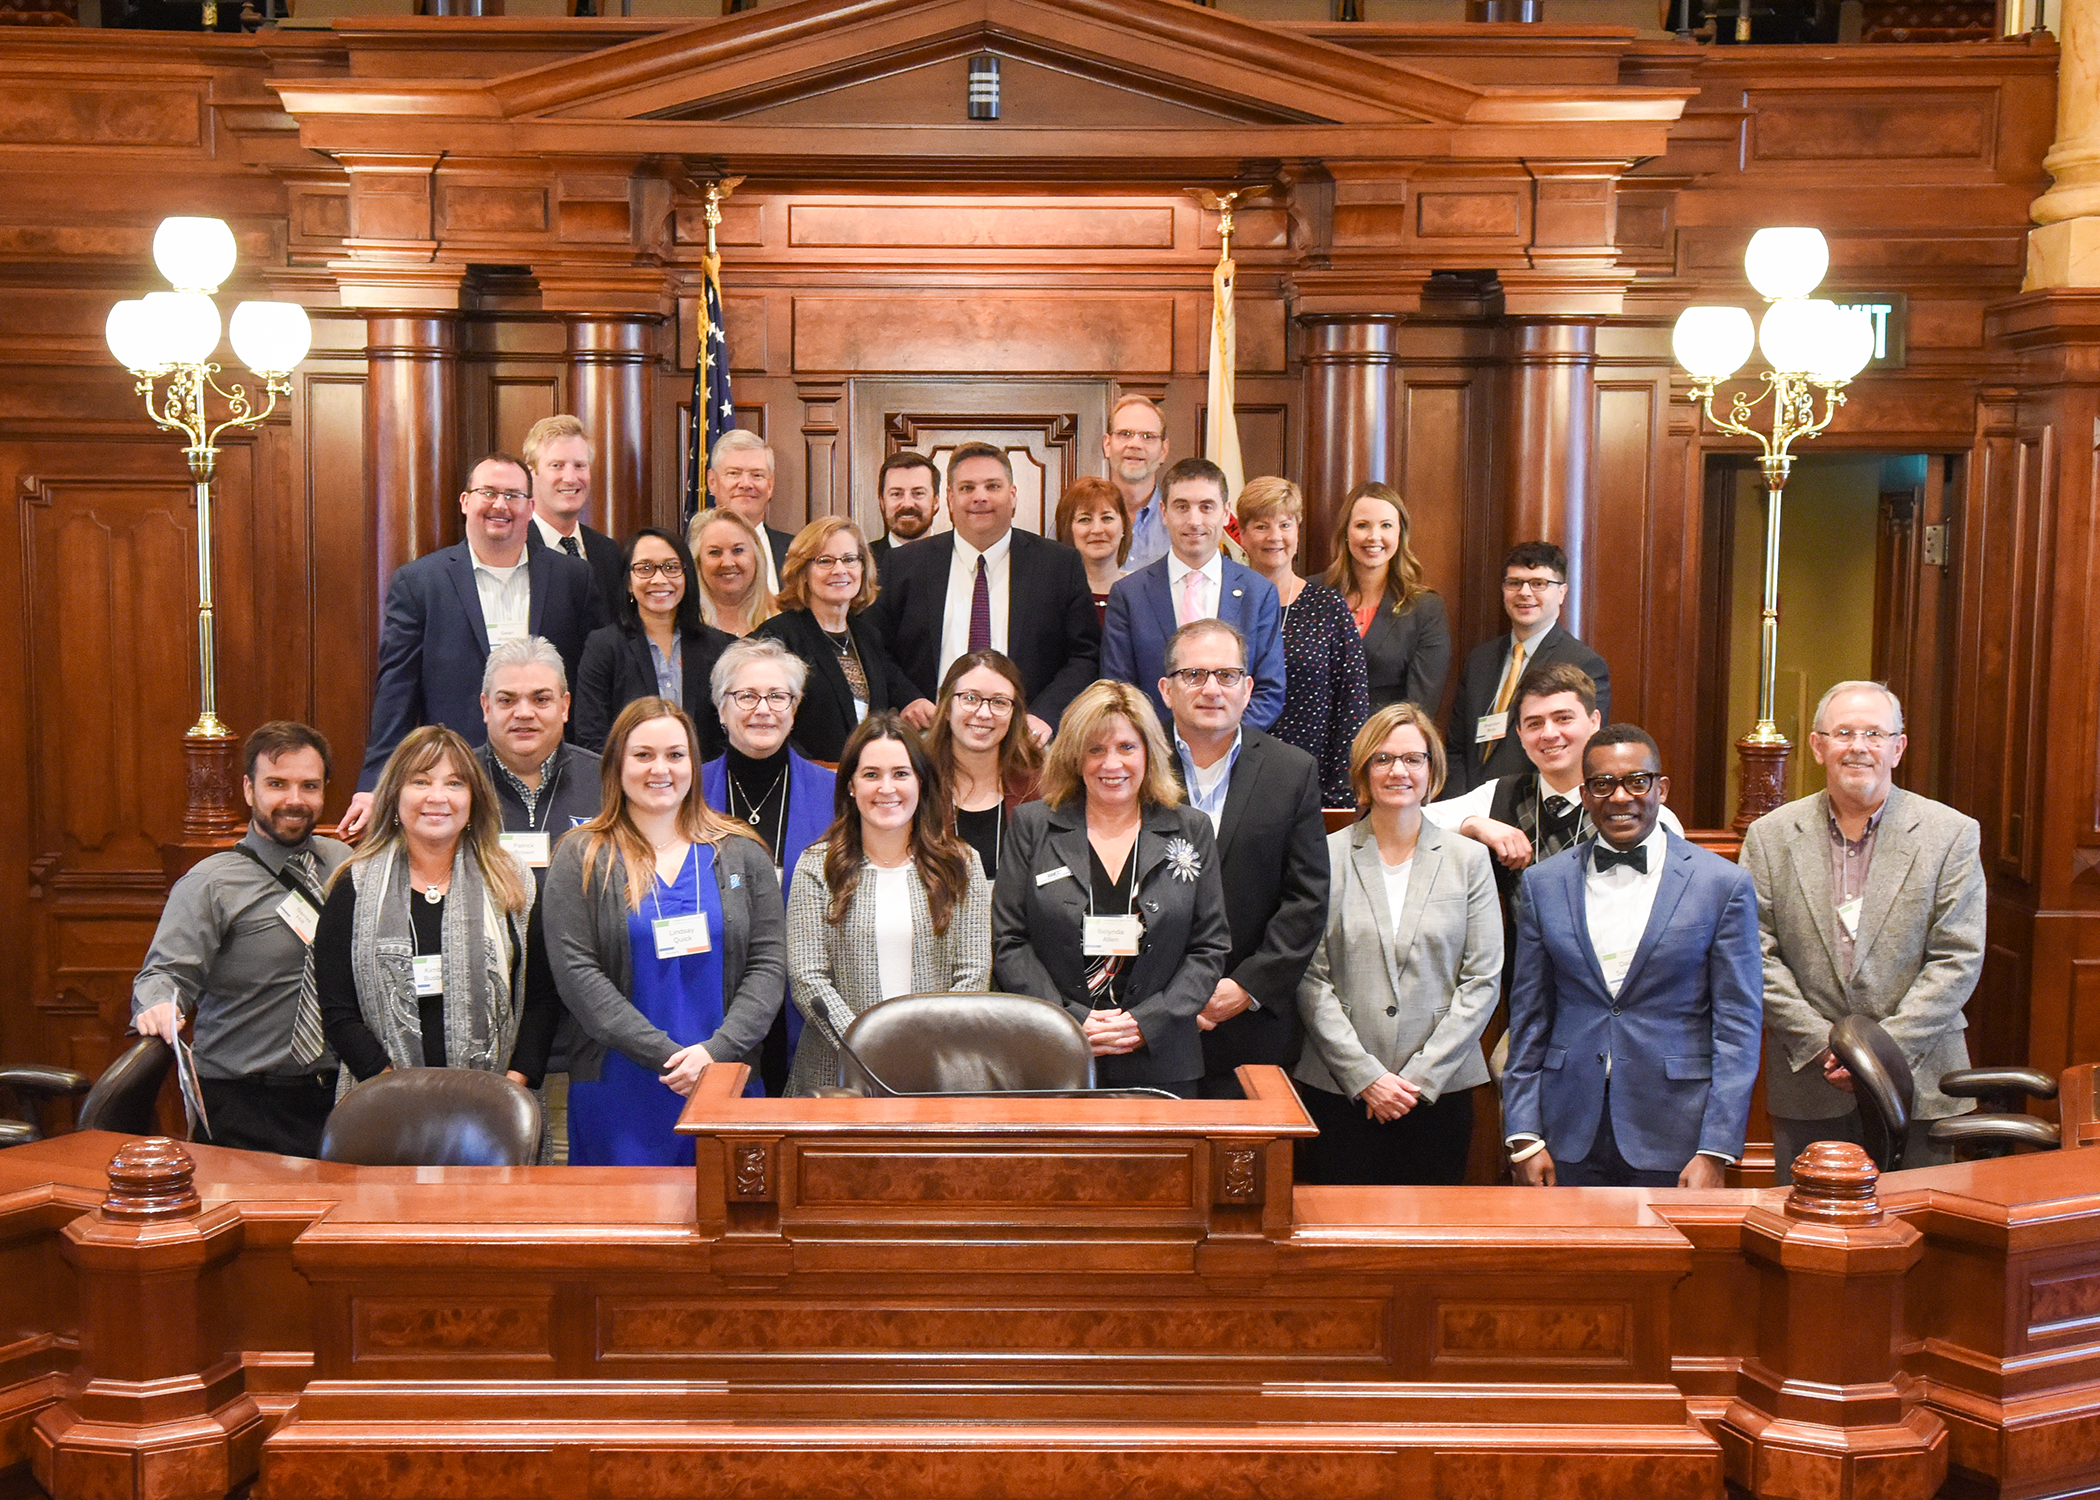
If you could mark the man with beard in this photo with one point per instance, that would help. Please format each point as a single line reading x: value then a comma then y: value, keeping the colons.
x: 908, y: 492
x: 1135, y: 446
x: 231, y: 951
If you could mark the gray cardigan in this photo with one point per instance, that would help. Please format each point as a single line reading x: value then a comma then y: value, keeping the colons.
x: 593, y: 964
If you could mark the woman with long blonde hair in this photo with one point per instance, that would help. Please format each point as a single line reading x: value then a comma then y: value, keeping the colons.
x: 729, y: 556
x: 664, y: 931
x: 1406, y: 632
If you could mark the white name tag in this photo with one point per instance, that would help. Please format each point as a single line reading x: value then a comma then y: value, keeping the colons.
x: 681, y: 937
x: 1848, y: 913
x: 430, y: 974
x: 527, y: 848
x: 1062, y: 872
x: 1490, y: 727
x: 300, y: 916
x: 1615, y: 965
x: 1112, y: 937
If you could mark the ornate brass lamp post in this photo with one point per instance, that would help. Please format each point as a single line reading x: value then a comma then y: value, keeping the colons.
x: 167, y: 339
x: 1812, y: 345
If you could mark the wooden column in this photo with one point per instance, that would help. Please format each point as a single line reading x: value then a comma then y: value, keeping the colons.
x: 1551, y: 435
x: 1352, y: 391
x: 2064, y: 250
x: 609, y: 358
x: 412, y: 434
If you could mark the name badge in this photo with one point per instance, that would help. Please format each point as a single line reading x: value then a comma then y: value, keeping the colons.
x: 681, y: 937
x: 1615, y: 965
x: 527, y: 848
x: 1112, y: 937
x: 1490, y: 727
x: 300, y: 916
x: 430, y: 974
x: 1848, y: 913
x: 1062, y: 872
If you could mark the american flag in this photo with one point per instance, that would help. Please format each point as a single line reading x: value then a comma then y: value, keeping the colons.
x: 713, y: 409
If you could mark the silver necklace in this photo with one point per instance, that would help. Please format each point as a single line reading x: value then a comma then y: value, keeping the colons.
x: 752, y: 816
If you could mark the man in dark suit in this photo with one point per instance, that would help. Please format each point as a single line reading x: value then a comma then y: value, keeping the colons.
x: 908, y: 493
x: 446, y: 609
x: 1263, y: 800
x: 1636, y: 998
x: 1194, y: 581
x: 988, y: 585
x: 740, y: 478
x: 1481, y: 736
x: 558, y: 452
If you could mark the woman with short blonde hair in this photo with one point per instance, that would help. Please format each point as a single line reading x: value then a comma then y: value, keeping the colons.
x: 825, y: 585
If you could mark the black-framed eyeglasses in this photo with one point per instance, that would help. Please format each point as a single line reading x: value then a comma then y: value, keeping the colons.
x: 513, y: 496
x: 644, y: 571
x: 779, y: 699
x: 1002, y: 707
x: 1638, y: 784
x: 1532, y: 585
x: 1195, y: 677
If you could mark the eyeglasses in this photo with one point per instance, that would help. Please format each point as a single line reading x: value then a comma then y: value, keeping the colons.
x: 747, y: 699
x: 1132, y: 435
x: 1873, y: 739
x: 1001, y: 706
x: 1225, y: 677
x: 644, y: 571
x: 1413, y: 760
x: 827, y: 562
x: 1638, y: 784
x: 1532, y: 585
x: 513, y: 496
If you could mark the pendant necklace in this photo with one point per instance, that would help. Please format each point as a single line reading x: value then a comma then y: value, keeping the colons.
x: 752, y: 816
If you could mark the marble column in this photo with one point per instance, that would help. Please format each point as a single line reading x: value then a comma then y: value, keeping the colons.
x: 2064, y: 248
x: 1352, y: 402
x: 412, y: 435
x: 1549, y: 439
x: 609, y: 358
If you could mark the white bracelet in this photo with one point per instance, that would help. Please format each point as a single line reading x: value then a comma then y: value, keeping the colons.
x: 1527, y: 1152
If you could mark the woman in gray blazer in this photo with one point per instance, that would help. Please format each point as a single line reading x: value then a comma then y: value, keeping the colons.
x: 664, y: 931
x: 1109, y: 899
x: 1405, y: 976
x: 889, y: 902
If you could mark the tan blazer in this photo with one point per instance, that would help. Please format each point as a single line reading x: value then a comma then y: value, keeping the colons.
x: 1914, y: 965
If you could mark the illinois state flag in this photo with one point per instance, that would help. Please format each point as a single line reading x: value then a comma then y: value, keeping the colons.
x: 1221, y: 435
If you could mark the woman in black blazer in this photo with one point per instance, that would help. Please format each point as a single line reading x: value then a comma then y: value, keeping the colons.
x: 656, y: 646
x: 825, y: 584
x: 1406, y: 633
x: 1109, y: 900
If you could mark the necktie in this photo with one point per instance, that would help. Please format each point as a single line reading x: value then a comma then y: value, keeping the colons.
x: 981, y: 610
x: 573, y: 547
x: 1635, y: 858
x: 308, y: 1042
x: 1191, y: 598
x: 1557, y: 827
x: 1508, y: 691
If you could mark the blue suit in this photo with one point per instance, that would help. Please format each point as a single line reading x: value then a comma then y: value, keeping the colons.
x: 435, y: 643
x: 1141, y: 617
x: 1682, y: 1034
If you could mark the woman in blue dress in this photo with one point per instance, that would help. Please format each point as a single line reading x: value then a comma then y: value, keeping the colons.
x: 665, y: 932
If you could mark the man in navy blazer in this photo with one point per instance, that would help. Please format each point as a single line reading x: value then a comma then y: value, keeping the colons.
x: 1194, y: 581
x: 1636, y: 1000
x: 445, y: 609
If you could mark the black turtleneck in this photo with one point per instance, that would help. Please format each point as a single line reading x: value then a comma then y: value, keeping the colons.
x: 761, y: 786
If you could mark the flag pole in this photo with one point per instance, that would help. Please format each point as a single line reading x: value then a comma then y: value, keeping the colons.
x: 1221, y: 441
x: 702, y: 424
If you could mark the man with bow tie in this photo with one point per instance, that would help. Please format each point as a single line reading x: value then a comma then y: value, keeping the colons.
x: 1636, y: 996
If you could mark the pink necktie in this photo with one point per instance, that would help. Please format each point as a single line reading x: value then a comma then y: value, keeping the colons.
x: 1191, y: 598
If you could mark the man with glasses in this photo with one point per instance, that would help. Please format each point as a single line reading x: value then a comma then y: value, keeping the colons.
x: 1871, y: 900
x: 1263, y: 800
x: 1635, y: 995
x: 446, y: 610
x: 908, y: 493
x: 1135, y: 446
x: 1534, y: 588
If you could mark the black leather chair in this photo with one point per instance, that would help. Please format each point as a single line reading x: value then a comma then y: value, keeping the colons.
x: 434, y: 1117
x: 126, y: 1097
x: 30, y: 1086
x: 1882, y: 1086
x: 963, y: 1044
x: 2002, y: 1125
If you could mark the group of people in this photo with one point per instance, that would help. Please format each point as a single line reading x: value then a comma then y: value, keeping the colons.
x: 783, y: 779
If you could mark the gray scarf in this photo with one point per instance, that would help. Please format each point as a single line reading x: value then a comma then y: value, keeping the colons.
x: 479, y: 945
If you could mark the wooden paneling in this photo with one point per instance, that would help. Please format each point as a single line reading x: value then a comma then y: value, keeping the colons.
x: 1019, y: 334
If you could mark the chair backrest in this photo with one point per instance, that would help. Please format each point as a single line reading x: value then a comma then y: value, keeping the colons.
x: 962, y: 1044
x: 1881, y: 1086
x: 125, y: 1098
x: 434, y: 1117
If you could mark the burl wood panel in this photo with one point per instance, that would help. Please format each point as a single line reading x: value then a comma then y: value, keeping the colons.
x: 1019, y: 333
x: 833, y: 1179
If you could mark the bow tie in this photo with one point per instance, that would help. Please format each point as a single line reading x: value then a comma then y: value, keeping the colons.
x: 1636, y: 857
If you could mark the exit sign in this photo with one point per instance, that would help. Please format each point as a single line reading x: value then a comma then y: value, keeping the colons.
x: 1888, y: 312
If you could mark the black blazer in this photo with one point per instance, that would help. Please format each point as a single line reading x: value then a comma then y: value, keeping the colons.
x: 826, y: 716
x: 1053, y: 630
x: 608, y: 569
x: 434, y: 643
x: 1477, y: 687
x: 1408, y: 656
x: 1272, y: 860
x: 779, y: 541
x: 617, y: 669
x: 1038, y: 928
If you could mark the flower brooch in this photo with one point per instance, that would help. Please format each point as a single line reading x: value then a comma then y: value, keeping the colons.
x: 1183, y: 859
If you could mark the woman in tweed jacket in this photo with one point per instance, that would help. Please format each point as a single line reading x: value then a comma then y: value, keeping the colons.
x: 890, y: 902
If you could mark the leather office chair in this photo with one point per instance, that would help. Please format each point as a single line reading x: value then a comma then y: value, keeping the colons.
x: 30, y: 1085
x: 2002, y: 1125
x: 1882, y: 1086
x: 126, y: 1097
x: 963, y: 1044
x: 434, y: 1117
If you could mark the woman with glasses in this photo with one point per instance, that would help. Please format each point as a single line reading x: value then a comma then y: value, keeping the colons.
x: 1093, y: 519
x: 656, y: 647
x: 890, y: 902
x: 1405, y: 977
x: 1109, y: 900
x: 1401, y: 621
x: 666, y: 936
x: 982, y: 751
x: 1325, y: 699
x: 825, y: 584
x: 730, y: 557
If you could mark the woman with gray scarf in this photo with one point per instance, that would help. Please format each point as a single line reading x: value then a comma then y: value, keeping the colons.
x: 420, y: 953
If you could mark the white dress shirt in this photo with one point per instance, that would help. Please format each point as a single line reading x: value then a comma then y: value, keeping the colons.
x: 893, y: 929
x: 1396, y: 887
x: 506, y: 599
x: 1207, y: 592
x: 962, y: 588
x: 554, y: 538
x: 1617, y: 903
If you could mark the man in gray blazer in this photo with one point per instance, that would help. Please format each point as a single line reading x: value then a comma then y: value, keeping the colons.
x: 1871, y: 901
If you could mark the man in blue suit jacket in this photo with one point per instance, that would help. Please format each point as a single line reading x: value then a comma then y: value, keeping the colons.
x: 436, y: 638
x: 1194, y: 581
x: 1636, y: 1000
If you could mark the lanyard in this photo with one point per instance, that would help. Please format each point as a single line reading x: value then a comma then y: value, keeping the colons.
x: 688, y: 860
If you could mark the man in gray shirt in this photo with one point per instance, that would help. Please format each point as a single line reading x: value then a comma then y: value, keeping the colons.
x: 231, y: 951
